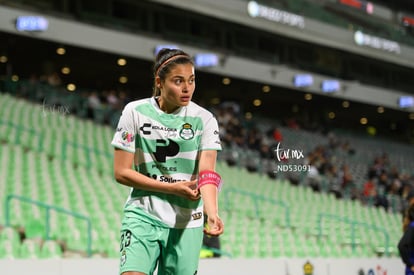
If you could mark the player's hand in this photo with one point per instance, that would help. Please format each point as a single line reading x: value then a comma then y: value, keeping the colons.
x: 187, y: 189
x: 214, y: 226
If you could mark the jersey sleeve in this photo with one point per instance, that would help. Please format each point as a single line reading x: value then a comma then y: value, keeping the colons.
x: 210, y: 139
x: 126, y: 131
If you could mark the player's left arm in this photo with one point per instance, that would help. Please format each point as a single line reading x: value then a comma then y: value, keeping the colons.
x: 209, y: 192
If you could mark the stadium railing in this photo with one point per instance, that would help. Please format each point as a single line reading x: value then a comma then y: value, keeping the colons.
x: 49, y: 208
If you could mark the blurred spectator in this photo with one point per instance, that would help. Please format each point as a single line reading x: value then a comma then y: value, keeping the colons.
x: 94, y: 103
x: 54, y: 79
x: 394, y: 197
x: 265, y: 151
x: 369, y: 191
x: 346, y: 147
x: 333, y: 141
x: 276, y: 134
x: 372, y: 196
x: 30, y: 91
x: 124, y: 99
x: 331, y: 176
x: 408, y: 194
x: 254, y: 139
x: 383, y: 182
x: 346, y: 179
x: 112, y: 99
x: 292, y: 123
x: 377, y: 168
x: 313, y: 178
x: 393, y: 173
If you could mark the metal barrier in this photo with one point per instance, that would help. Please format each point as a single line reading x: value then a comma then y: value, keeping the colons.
x: 353, y: 225
x: 19, y: 130
x: 47, y: 219
x: 88, y: 151
x: 257, y: 200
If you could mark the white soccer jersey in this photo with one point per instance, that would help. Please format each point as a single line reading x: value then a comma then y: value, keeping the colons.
x: 166, y: 148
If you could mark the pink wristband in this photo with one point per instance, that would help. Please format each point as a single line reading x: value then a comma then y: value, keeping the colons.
x: 209, y: 177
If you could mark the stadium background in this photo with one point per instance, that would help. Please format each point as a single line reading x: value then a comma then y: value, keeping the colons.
x: 258, y: 58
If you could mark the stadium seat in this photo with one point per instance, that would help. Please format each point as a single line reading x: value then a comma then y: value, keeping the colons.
x: 9, y: 249
x: 30, y: 249
x: 10, y: 234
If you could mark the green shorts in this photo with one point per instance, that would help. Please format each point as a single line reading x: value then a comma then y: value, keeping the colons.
x: 144, y: 245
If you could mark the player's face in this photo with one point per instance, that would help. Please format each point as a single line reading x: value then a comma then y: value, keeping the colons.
x: 178, y: 87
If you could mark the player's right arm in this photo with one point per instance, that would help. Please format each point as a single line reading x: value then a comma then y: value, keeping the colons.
x: 124, y: 174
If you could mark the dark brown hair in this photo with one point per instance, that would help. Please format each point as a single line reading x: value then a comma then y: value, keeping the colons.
x: 164, y: 61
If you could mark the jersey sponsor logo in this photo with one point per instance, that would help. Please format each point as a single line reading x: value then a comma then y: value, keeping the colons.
x: 147, y: 127
x: 165, y: 148
x: 165, y: 168
x: 162, y: 128
x: 142, y: 128
x: 164, y: 178
x: 186, y: 131
x: 197, y: 216
x: 169, y: 179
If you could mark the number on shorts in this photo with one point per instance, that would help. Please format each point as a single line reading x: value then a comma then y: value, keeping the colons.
x: 125, y: 239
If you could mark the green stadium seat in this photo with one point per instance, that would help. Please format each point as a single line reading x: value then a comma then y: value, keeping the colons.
x: 9, y: 249
x: 30, y: 249
x: 51, y: 249
x: 10, y: 234
x: 35, y: 228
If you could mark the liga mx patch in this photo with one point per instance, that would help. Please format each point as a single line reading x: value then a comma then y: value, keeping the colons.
x: 187, y: 132
x: 127, y: 136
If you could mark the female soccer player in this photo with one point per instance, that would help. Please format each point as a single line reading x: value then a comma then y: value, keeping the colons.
x: 165, y: 150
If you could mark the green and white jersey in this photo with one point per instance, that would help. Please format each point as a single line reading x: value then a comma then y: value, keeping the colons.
x: 166, y: 148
